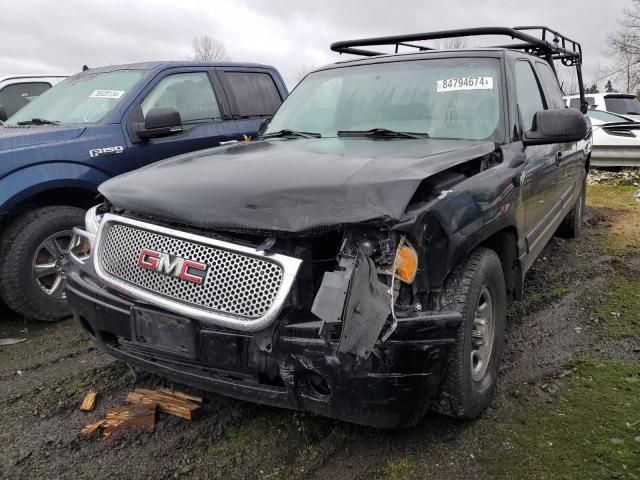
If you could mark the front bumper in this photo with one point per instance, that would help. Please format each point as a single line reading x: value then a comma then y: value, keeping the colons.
x: 280, y: 365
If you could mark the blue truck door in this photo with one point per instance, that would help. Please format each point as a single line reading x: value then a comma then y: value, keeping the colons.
x: 202, y: 111
x: 252, y: 94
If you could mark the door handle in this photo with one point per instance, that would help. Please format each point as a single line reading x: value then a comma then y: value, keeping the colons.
x: 558, y: 158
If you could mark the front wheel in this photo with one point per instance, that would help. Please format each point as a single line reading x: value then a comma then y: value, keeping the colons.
x: 475, y: 289
x: 32, y: 252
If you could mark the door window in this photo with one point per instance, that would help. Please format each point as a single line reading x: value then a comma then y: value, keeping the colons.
x: 191, y: 94
x: 251, y: 94
x: 14, y: 97
x: 528, y: 93
x: 551, y: 88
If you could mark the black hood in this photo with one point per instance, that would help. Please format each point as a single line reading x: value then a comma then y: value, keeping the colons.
x: 289, y: 185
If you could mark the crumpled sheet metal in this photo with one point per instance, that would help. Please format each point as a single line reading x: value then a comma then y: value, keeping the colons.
x: 355, y: 297
x: 289, y: 185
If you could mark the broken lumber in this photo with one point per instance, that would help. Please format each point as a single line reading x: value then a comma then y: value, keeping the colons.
x: 89, y: 402
x: 173, y: 403
x: 122, y: 417
x: 92, y: 427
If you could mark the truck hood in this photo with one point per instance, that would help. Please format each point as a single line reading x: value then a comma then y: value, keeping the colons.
x: 14, y: 137
x: 289, y: 185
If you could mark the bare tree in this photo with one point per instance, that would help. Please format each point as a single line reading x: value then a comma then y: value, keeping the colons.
x: 624, y: 45
x: 454, y: 43
x: 206, y: 49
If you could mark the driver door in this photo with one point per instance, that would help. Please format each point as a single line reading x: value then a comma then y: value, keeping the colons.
x: 192, y: 94
x: 542, y: 176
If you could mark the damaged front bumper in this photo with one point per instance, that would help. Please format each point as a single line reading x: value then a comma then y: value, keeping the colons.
x: 290, y: 363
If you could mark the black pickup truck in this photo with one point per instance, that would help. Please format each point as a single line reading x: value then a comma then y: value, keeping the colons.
x: 357, y: 259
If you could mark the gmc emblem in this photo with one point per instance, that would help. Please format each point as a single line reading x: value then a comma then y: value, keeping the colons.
x: 165, y: 264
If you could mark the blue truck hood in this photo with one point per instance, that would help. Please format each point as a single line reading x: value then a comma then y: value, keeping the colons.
x: 15, y: 137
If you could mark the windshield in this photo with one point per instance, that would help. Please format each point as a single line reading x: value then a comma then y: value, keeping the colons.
x: 444, y: 98
x: 87, y: 98
x: 623, y: 105
x: 606, y: 116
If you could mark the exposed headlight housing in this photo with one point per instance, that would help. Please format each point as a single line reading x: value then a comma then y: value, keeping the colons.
x: 92, y: 220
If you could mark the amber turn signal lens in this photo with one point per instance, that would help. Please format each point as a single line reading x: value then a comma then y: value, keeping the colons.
x: 407, y: 264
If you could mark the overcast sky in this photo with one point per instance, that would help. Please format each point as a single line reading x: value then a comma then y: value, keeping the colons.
x: 60, y: 36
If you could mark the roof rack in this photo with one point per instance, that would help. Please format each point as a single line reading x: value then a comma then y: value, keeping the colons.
x: 536, y: 40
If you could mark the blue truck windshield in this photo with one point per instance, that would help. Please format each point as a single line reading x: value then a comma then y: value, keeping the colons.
x: 443, y: 98
x: 85, y: 98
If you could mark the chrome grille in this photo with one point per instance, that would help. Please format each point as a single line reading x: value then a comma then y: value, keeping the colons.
x: 235, y: 283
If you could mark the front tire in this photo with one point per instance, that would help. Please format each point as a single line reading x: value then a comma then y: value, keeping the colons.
x: 32, y: 251
x: 475, y: 289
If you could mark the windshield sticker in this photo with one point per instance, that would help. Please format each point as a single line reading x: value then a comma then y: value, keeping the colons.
x: 107, y: 94
x: 464, y: 83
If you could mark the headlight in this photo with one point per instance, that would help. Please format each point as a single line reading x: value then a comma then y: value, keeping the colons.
x: 92, y: 220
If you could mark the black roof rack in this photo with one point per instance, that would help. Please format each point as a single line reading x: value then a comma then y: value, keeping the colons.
x: 536, y: 40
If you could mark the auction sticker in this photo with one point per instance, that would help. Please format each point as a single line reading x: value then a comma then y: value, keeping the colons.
x: 107, y: 94
x: 464, y: 83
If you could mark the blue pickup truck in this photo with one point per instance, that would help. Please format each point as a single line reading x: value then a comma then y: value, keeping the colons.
x: 97, y: 124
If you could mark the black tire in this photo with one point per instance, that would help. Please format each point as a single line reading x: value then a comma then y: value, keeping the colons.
x: 19, y: 287
x: 571, y: 226
x: 461, y: 395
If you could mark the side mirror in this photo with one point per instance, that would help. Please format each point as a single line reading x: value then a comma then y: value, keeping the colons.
x: 264, y: 124
x: 160, y: 122
x: 557, y: 126
x: 3, y: 114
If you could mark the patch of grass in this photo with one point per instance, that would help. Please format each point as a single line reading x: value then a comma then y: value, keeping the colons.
x: 587, y: 431
x: 623, y: 235
x: 619, y: 315
x: 608, y: 196
x: 397, y: 469
x: 276, y: 444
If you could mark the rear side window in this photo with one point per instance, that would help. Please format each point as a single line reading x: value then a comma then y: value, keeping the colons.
x: 550, y: 85
x: 625, y: 105
x: 528, y: 93
x: 191, y: 94
x: 14, y: 97
x: 251, y: 94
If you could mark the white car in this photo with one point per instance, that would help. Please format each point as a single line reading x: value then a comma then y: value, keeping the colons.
x: 18, y: 90
x: 625, y: 104
x: 616, y: 140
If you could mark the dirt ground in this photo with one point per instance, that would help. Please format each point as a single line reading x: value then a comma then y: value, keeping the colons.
x: 568, y: 404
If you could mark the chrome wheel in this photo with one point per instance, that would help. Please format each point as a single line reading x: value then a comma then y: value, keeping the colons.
x: 482, y: 335
x: 47, y: 264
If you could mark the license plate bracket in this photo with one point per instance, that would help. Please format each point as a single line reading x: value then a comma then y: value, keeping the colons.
x: 164, y: 332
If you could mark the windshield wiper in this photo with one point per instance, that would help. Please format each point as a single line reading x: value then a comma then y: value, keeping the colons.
x: 382, y: 133
x: 39, y: 121
x: 290, y: 133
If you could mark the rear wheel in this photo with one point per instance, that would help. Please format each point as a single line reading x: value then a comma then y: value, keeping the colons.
x: 571, y: 226
x: 475, y: 289
x: 32, y: 252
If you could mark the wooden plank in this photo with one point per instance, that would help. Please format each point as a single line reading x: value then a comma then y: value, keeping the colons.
x: 184, y: 396
x: 89, y: 402
x: 167, y: 402
x: 123, y: 417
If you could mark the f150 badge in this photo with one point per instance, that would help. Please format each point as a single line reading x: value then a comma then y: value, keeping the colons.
x: 172, y: 266
x: 97, y: 152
